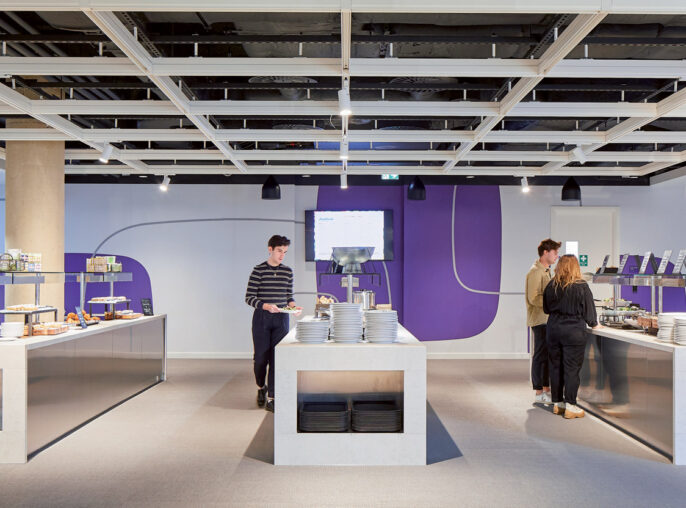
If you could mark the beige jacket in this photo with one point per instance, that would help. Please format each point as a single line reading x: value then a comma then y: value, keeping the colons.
x: 536, y: 281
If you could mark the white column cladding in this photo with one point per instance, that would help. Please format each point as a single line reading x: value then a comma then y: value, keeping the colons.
x: 351, y: 448
x: 679, y: 402
x: 13, y: 439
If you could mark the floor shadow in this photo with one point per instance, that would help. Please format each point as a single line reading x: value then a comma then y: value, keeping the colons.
x: 439, y: 445
x: 262, y: 445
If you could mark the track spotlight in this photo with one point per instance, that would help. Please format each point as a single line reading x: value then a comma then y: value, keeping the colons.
x: 344, y: 107
x: 416, y: 190
x: 271, y: 189
x: 525, y: 185
x: 106, y: 153
x: 344, y: 150
x: 164, y: 186
x: 571, y: 190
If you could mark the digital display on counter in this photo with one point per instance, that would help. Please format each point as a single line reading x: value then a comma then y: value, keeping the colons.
x: 326, y: 229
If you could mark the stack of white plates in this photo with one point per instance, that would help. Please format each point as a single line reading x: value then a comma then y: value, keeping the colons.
x: 666, y: 324
x: 346, y: 322
x: 312, y: 331
x: 382, y: 326
x: 680, y: 330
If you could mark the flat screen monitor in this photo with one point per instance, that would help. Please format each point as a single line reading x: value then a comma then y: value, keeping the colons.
x: 325, y: 229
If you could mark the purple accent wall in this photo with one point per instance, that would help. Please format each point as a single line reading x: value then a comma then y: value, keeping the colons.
x: 138, y: 288
x: 429, y: 300
x: 673, y: 299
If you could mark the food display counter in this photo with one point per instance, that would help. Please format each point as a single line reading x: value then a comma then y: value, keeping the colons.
x: 351, y: 375
x: 51, y: 385
x: 638, y: 384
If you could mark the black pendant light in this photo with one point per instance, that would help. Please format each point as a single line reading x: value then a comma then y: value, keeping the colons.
x: 416, y: 190
x: 271, y: 189
x: 571, y: 190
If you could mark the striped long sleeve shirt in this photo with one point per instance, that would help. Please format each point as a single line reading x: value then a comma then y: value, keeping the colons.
x: 270, y: 284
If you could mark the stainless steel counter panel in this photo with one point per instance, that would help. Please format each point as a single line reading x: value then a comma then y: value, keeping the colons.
x: 71, y: 382
x: 631, y: 387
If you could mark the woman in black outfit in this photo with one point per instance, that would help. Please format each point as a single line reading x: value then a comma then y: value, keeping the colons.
x: 568, y: 301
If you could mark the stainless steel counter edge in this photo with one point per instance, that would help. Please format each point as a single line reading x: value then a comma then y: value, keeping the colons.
x: 48, y: 340
x: 637, y: 337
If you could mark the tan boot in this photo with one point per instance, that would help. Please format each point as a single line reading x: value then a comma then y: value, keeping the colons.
x: 572, y: 411
x: 559, y: 408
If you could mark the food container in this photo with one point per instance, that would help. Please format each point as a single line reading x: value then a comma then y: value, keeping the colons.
x: 366, y: 297
x: 5, y: 262
x: 12, y: 329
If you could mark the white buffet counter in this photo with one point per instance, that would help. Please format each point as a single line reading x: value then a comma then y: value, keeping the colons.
x: 638, y: 384
x: 50, y: 385
x: 311, y: 372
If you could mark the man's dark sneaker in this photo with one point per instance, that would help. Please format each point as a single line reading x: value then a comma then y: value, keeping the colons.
x: 270, y: 405
x: 261, y: 396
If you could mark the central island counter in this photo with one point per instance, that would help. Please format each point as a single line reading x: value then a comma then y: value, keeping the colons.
x: 348, y: 372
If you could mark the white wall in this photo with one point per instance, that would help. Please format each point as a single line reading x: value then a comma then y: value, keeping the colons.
x: 199, y: 271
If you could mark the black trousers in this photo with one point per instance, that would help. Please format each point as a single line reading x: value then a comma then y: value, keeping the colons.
x: 267, y: 331
x: 540, y: 375
x: 566, y: 347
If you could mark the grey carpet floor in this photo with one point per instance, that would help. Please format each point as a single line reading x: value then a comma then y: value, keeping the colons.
x: 199, y: 440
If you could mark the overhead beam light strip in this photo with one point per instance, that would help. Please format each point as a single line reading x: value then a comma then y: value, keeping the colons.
x: 368, y: 6
x: 74, y: 132
x: 579, y: 28
x: 626, y: 127
x: 357, y: 67
x: 110, y: 25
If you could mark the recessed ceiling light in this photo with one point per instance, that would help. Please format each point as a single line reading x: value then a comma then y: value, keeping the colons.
x: 305, y: 176
x: 470, y: 176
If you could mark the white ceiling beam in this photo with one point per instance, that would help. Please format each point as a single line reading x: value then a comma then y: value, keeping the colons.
x: 382, y: 155
x: 362, y: 108
x: 371, y: 6
x: 23, y: 104
x: 178, y: 169
x: 110, y: 25
x: 579, y: 28
x: 358, y: 67
x: 355, y: 136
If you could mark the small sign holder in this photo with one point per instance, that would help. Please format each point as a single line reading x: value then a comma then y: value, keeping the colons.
x: 679, y: 262
x: 647, y: 257
x: 82, y: 320
x: 622, y: 263
x: 662, y: 269
x: 146, y: 304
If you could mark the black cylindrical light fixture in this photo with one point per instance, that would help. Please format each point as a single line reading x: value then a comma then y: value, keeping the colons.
x: 416, y: 190
x: 271, y: 189
x: 571, y: 190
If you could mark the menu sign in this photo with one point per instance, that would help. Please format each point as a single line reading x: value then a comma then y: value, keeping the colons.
x: 679, y: 261
x: 622, y: 263
x: 644, y: 264
x: 146, y: 304
x: 665, y: 261
x: 82, y: 320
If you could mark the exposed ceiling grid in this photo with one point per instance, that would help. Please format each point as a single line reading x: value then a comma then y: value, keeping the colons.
x: 258, y: 81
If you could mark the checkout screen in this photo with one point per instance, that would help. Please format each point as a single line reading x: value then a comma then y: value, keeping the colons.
x: 348, y: 229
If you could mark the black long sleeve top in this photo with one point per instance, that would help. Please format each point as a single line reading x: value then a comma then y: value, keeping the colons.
x: 571, y: 306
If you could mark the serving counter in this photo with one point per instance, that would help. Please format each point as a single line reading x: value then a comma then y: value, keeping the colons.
x: 638, y: 384
x: 366, y: 371
x: 51, y: 385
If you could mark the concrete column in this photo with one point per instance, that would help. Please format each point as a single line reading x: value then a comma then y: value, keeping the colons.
x: 34, y: 210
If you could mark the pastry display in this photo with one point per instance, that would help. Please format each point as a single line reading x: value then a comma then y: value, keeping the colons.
x: 50, y: 328
x: 26, y: 307
x: 73, y: 318
x: 128, y: 314
x: 108, y: 299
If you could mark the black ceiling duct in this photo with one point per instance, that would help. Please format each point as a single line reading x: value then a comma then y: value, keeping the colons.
x: 271, y: 189
x: 571, y: 190
x: 416, y: 190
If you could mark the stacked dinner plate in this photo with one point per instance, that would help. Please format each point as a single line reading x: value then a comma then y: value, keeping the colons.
x: 666, y: 324
x: 680, y: 330
x: 376, y: 416
x: 382, y: 326
x: 324, y: 417
x: 346, y: 319
x: 312, y: 331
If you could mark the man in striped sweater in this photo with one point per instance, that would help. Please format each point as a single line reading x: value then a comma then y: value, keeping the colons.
x: 270, y: 287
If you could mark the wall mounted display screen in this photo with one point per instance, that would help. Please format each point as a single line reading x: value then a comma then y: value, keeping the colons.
x: 326, y: 229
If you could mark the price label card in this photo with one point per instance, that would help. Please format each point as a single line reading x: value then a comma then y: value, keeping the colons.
x: 644, y: 264
x: 679, y: 261
x: 146, y: 304
x: 82, y: 320
x: 622, y: 263
x: 665, y: 261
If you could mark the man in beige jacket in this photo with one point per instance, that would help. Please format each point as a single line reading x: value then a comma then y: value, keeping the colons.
x: 536, y: 280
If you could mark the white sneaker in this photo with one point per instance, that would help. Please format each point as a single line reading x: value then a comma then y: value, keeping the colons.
x: 559, y: 408
x: 573, y: 411
x: 543, y: 398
